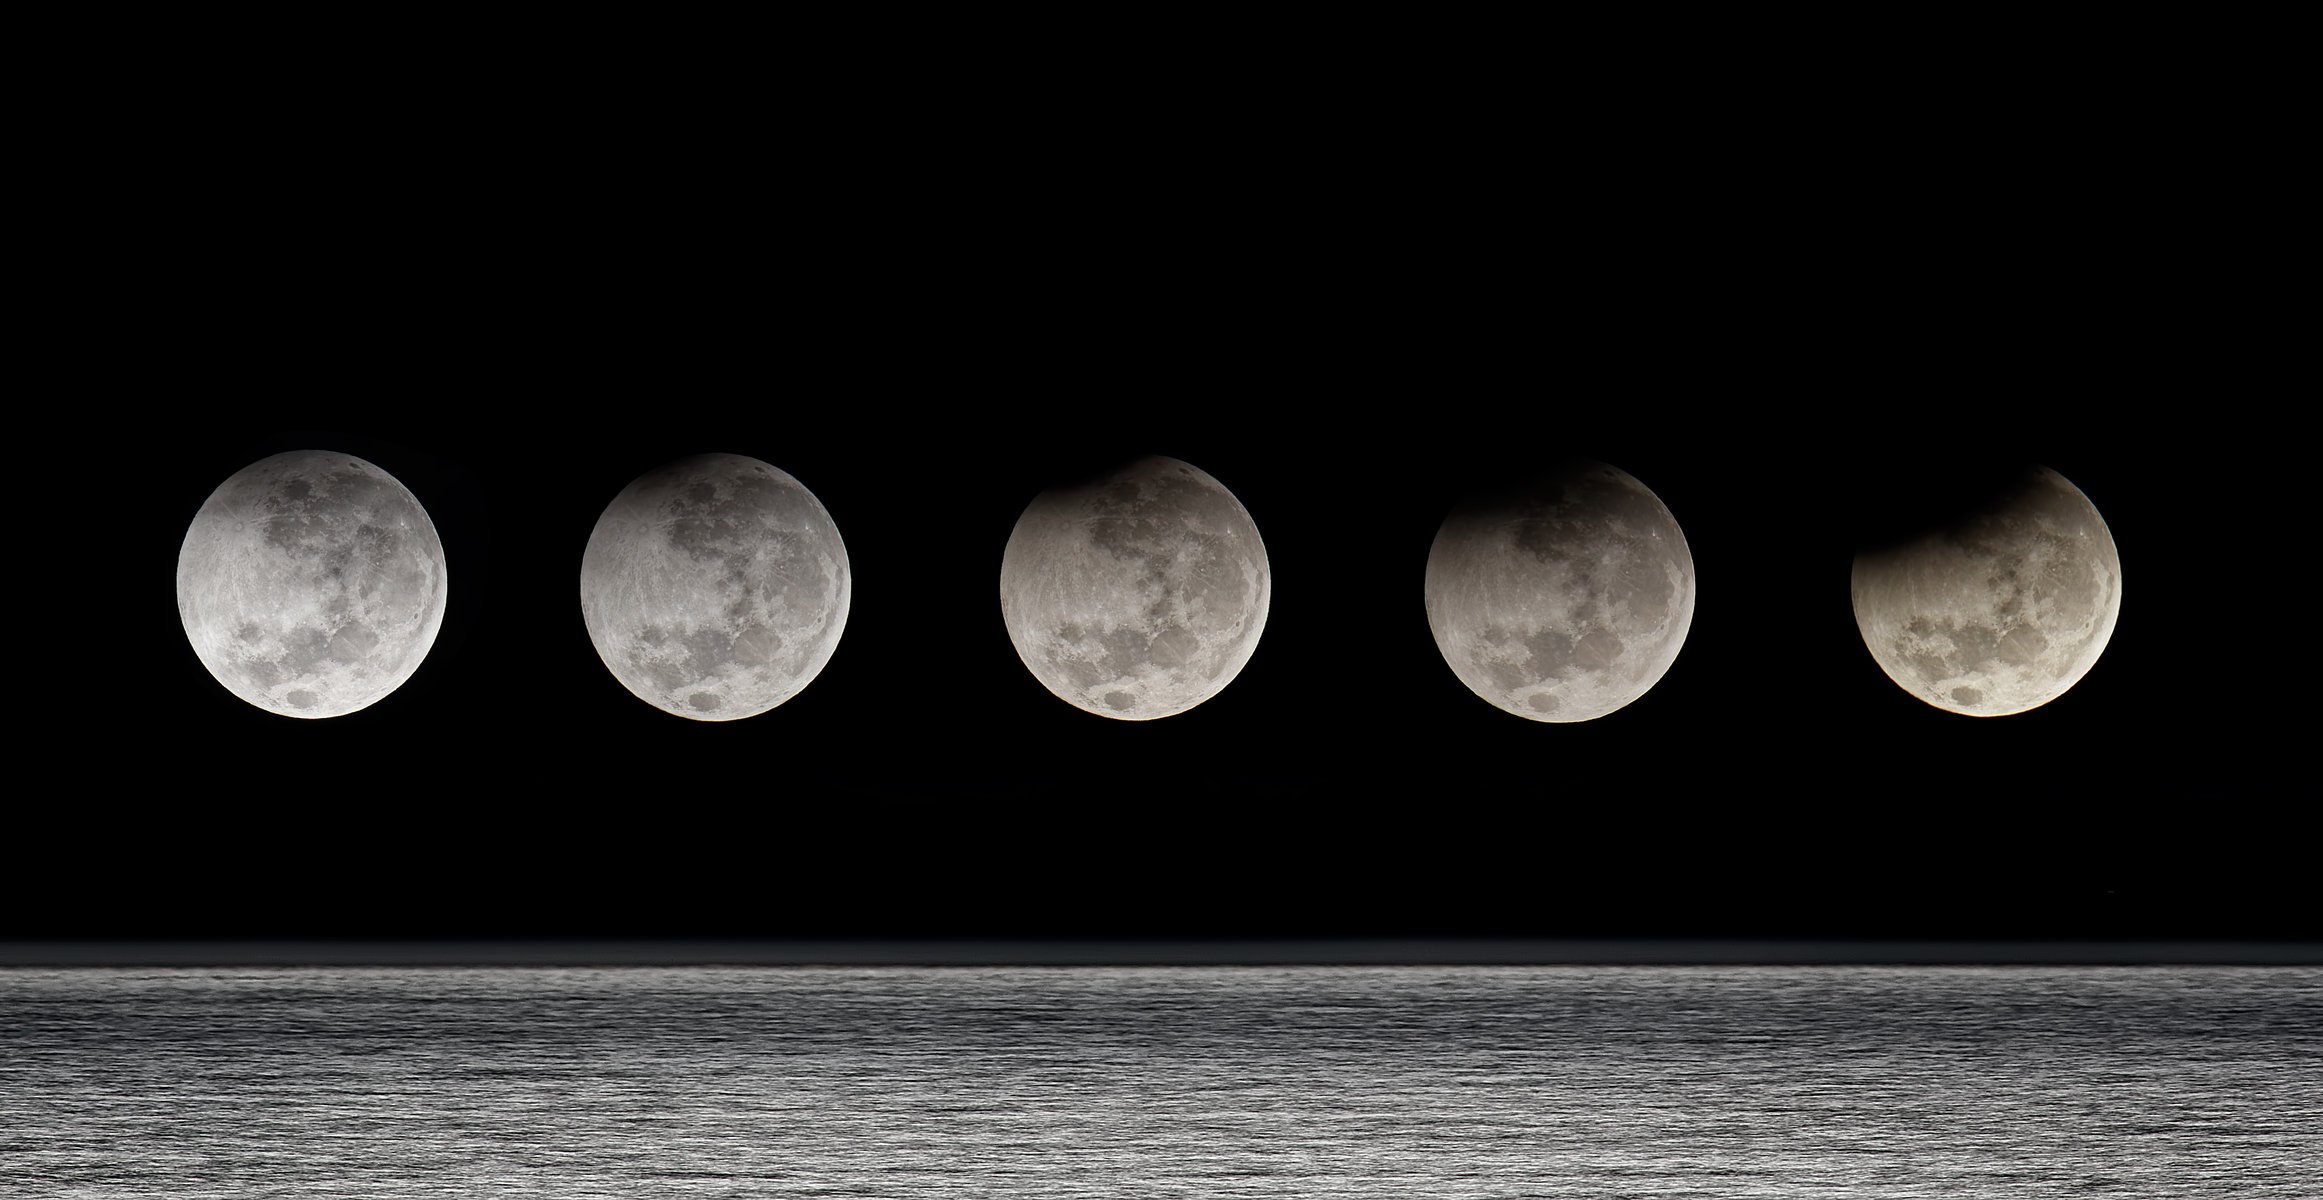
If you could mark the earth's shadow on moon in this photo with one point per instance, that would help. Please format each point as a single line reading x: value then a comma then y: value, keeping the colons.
x: 1133, y: 586
x: 1074, y: 470
x: 715, y: 587
x: 1984, y: 588
x: 1898, y: 508
x: 1559, y: 591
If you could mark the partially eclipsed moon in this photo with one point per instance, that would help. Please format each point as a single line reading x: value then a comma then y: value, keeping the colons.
x: 1564, y: 597
x: 311, y: 584
x: 715, y: 587
x: 1138, y: 595
x: 2001, y: 611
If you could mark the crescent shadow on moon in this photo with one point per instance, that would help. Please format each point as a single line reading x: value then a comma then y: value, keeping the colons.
x: 311, y: 584
x: 1994, y: 603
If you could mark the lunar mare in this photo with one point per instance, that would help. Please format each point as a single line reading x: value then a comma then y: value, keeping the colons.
x: 1564, y: 597
x: 715, y: 587
x: 311, y: 584
x: 2001, y: 612
x: 1138, y: 595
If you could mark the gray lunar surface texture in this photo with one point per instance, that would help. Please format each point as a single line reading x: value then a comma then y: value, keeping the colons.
x: 2002, y: 611
x: 715, y: 587
x: 1564, y: 596
x: 311, y: 584
x: 1136, y: 595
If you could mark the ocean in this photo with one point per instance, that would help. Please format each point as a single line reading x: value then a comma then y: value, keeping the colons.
x: 1102, y: 1082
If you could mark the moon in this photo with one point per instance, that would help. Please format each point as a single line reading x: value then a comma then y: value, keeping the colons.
x: 1138, y: 594
x: 715, y: 587
x: 1563, y: 597
x: 311, y: 584
x: 1999, y: 611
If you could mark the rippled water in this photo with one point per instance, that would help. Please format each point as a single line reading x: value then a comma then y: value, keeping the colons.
x: 1110, y: 1082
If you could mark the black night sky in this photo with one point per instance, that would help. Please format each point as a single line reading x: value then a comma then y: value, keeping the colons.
x: 1775, y: 783
x: 1784, y: 350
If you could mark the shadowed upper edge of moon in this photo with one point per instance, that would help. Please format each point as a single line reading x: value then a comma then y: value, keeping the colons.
x: 1560, y: 593
x: 715, y: 587
x: 1136, y: 592
x: 1994, y: 600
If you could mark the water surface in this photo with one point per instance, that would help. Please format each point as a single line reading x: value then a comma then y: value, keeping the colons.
x: 1158, y: 1082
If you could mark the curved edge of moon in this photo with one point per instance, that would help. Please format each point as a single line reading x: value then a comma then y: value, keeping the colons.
x: 715, y: 587
x: 2000, y: 615
x: 1564, y: 599
x: 1137, y: 596
x: 312, y: 584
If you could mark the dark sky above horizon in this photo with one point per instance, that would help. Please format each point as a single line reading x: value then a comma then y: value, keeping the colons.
x: 1784, y: 340
x: 1774, y: 784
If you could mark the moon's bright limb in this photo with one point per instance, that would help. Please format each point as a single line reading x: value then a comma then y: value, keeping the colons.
x: 715, y: 587
x: 1138, y: 595
x: 2002, y: 611
x: 311, y: 584
x: 1563, y: 598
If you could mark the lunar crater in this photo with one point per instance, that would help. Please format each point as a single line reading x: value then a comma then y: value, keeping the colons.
x: 311, y: 585
x: 715, y: 588
x: 1563, y: 598
x: 1138, y: 596
x: 2000, y: 613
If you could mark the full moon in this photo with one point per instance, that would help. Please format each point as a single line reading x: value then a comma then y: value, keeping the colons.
x: 1136, y: 595
x: 1998, y: 611
x: 311, y: 584
x: 1564, y: 597
x: 715, y: 587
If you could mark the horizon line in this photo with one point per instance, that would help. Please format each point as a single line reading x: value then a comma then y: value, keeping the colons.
x: 926, y: 952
